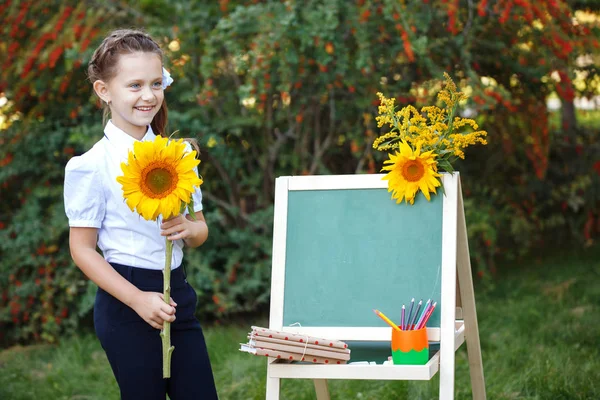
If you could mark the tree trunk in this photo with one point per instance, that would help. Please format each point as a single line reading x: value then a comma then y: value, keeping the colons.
x: 569, y: 120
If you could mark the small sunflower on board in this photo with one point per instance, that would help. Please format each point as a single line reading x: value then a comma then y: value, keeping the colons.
x: 159, y: 179
x: 421, y: 143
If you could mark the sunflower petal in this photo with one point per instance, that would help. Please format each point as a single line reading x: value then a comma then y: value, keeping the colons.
x: 187, y: 164
x: 133, y: 200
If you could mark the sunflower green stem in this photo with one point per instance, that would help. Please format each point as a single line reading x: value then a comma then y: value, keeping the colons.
x: 165, y: 334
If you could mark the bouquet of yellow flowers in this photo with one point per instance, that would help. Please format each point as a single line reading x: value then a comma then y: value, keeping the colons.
x: 421, y: 143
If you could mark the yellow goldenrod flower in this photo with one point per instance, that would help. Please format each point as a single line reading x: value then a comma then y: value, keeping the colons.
x: 411, y: 170
x: 158, y: 177
x: 426, y: 139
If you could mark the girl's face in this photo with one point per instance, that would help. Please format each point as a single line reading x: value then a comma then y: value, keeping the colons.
x: 135, y: 92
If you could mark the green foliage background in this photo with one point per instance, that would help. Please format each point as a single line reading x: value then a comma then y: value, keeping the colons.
x: 273, y: 88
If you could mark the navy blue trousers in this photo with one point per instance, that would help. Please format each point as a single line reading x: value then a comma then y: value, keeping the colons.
x: 134, y: 348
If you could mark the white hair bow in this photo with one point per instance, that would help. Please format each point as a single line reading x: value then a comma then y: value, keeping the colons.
x: 166, y: 79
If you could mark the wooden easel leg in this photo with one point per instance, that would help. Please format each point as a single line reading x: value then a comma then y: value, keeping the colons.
x: 467, y: 295
x: 272, y: 385
x: 321, y: 389
x: 448, y: 291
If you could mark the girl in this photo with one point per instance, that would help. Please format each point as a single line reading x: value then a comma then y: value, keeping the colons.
x: 128, y: 76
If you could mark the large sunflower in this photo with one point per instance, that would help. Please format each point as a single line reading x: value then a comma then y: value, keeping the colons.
x: 158, y: 177
x: 411, y: 170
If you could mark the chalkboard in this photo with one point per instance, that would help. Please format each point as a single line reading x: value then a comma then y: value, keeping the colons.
x: 349, y: 251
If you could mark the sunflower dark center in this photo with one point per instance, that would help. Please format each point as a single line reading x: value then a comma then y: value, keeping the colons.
x: 159, y: 180
x: 413, y: 170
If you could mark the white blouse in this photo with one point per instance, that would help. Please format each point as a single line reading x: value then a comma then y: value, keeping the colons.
x: 94, y: 199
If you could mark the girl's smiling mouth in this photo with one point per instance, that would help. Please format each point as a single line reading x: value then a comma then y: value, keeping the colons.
x: 144, y: 108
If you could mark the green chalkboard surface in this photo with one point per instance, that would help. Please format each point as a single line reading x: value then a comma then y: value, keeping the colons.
x: 349, y: 251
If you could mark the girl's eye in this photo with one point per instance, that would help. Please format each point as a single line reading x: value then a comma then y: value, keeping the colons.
x: 135, y: 85
x: 158, y: 84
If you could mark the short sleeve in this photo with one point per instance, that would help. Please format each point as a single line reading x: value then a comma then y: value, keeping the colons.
x: 197, y: 195
x: 85, y: 204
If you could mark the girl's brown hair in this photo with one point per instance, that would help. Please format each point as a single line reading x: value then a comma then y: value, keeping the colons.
x: 103, y: 65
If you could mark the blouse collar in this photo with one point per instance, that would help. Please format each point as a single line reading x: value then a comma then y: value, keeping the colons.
x: 122, y: 141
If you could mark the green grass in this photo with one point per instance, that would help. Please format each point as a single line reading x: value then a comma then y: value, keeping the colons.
x: 539, y: 327
x: 586, y: 119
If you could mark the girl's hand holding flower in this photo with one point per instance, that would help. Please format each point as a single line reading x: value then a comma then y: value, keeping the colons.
x: 151, y: 307
x: 180, y: 227
x: 177, y: 227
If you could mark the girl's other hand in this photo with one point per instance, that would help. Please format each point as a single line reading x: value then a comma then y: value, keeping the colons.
x: 151, y: 307
x: 178, y: 227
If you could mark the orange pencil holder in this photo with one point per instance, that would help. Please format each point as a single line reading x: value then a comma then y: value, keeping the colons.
x: 410, y: 347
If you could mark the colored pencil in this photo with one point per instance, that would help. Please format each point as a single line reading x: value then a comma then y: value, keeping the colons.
x: 402, y: 317
x: 427, y: 305
x: 411, y: 325
x: 386, y: 319
x: 424, y: 322
x: 410, y: 310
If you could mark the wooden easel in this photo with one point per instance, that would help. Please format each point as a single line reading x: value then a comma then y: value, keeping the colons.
x: 457, y: 324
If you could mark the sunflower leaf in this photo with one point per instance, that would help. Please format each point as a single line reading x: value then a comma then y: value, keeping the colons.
x: 182, y: 207
x: 445, y: 166
x: 441, y: 188
x: 191, y: 211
